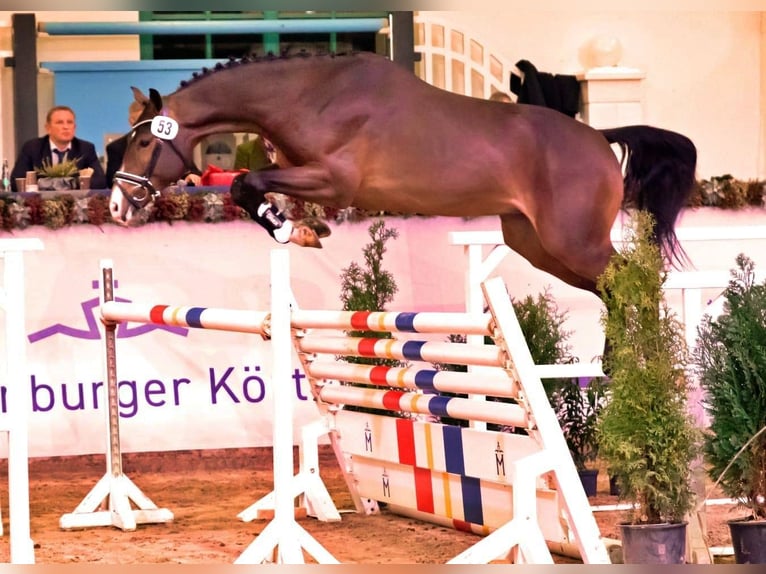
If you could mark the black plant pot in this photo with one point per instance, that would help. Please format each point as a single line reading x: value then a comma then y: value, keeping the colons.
x: 654, y: 543
x: 748, y: 537
x: 589, y: 479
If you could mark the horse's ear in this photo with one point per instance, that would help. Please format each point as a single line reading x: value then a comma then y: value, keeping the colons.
x: 139, y: 96
x: 156, y: 98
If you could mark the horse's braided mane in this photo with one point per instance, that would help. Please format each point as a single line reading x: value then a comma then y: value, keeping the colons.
x: 252, y: 58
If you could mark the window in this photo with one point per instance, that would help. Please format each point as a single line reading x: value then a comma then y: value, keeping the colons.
x: 219, y: 46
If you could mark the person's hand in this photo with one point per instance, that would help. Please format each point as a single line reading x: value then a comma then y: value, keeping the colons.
x: 193, y: 179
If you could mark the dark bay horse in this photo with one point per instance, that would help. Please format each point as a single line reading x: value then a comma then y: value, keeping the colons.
x: 359, y: 130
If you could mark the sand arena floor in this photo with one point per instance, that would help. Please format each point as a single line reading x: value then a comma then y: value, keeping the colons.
x: 206, y: 490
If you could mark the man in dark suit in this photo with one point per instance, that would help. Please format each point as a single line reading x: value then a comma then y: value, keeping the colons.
x: 59, y: 145
x: 116, y: 148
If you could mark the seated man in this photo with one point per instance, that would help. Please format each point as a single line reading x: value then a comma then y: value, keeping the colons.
x: 60, y: 144
x: 306, y: 232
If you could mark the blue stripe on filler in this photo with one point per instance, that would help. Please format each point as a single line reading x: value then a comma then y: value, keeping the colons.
x: 405, y: 322
x: 193, y: 317
x: 453, y: 449
x: 412, y: 350
x: 425, y: 380
x: 438, y: 405
x: 472, y: 509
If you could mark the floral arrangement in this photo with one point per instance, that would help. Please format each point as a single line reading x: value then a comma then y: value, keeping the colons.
x: 21, y: 210
x: 183, y: 203
x: 727, y: 192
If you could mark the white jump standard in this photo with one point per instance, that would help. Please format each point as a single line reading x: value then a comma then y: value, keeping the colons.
x: 109, y: 501
x: 14, y: 376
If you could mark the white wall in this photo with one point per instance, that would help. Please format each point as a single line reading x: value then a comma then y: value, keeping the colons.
x: 704, y: 69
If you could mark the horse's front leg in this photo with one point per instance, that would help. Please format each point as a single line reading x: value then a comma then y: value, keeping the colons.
x: 249, y: 191
x: 313, y: 183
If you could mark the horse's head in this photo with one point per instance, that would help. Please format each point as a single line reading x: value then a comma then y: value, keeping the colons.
x: 155, y: 157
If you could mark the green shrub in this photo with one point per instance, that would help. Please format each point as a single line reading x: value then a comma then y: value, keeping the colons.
x: 730, y: 359
x: 370, y: 288
x: 646, y: 436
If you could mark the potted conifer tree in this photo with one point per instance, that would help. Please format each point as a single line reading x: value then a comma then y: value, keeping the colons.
x: 646, y: 436
x: 730, y: 358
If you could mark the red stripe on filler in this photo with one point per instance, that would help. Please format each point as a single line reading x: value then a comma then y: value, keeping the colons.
x: 155, y: 314
x: 391, y: 400
x: 359, y: 320
x: 378, y: 374
x: 405, y: 440
x: 424, y: 494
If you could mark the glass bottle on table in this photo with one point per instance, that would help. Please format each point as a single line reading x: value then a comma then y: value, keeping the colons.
x: 5, y: 184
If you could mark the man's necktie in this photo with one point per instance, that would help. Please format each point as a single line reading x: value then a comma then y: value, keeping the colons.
x: 60, y: 155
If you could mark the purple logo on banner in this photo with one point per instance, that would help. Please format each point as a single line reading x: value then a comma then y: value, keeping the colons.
x: 93, y: 332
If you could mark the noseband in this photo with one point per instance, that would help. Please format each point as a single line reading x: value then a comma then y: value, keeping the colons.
x: 143, y: 191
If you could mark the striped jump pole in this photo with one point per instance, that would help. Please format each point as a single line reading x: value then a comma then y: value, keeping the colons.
x: 394, y: 322
x: 239, y: 321
x: 429, y: 351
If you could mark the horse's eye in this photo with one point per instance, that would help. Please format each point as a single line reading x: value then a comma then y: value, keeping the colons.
x: 144, y: 143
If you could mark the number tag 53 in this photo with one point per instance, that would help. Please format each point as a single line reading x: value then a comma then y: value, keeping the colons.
x: 164, y: 127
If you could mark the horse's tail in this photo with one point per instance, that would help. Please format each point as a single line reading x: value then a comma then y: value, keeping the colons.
x: 660, y: 176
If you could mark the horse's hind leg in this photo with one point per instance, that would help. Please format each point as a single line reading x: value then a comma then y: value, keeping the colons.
x: 521, y: 236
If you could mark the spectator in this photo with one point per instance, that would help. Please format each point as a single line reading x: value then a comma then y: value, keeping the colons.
x: 60, y: 144
x: 116, y: 148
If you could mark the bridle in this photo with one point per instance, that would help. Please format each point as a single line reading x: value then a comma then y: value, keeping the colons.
x: 143, y: 191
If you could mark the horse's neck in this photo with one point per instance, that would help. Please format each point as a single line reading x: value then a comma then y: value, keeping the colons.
x: 205, y: 111
x: 248, y: 97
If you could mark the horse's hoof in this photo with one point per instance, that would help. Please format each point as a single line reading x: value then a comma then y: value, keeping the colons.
x: 320, y: 227
x: 304, y: 236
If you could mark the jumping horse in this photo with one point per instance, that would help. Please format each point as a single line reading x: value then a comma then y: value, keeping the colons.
x: 359, y: 130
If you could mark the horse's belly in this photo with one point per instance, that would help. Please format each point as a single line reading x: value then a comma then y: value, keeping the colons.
x: 436, y: 201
